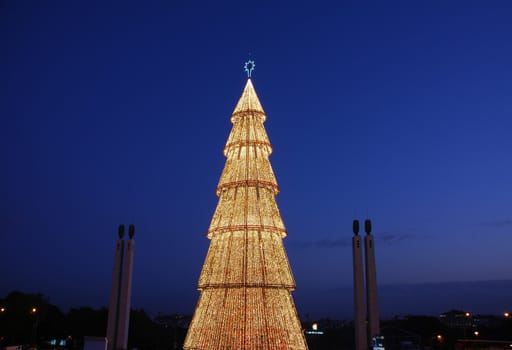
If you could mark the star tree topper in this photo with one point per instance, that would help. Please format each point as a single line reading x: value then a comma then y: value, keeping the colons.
x: 249, y: 67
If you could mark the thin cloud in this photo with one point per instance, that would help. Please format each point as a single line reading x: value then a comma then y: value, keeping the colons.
x: 497, y: 223
x: 386, y: 238
x: 322, y: 243
x: 395, y: 237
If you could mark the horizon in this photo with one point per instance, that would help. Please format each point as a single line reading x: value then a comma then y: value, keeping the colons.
x: 494, y: 302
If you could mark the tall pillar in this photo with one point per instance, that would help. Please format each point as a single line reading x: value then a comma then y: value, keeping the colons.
x: 371, y: 282
x: 360, y: 333
x: 120, y: 294
x: 114, y: 292
x: 126, y: 292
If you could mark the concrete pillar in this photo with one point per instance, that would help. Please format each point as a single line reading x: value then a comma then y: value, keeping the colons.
x: 360, y: 333
x: 371, y: 284
x: 114, y: 293
x: 120, y: 294
x: 125, y: 296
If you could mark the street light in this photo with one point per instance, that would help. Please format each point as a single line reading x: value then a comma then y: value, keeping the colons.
x: 506, y: 314
x: 440, y: 338
x: 467, y: 322
x: 2, y: 311
x: 34, y: 311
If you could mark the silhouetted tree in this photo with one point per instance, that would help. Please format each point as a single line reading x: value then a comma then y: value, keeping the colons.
x: 86, y: 321
x: 21, y: 317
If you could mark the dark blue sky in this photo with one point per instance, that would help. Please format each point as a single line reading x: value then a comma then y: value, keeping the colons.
x: 118, y: 113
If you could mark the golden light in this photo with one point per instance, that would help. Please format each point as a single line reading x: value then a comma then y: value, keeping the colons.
x: 33, y: 310
x: 440, y: 337
x: 246, y: 279
x: 506, y: 314
x: 468, y: 314
x: 314, y: 326
x: 2, y: 309
x: 476, y: 333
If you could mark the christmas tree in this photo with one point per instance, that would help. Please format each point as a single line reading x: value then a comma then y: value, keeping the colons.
x: 246, y: 280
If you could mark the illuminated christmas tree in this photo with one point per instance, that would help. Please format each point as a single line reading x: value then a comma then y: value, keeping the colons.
x: 246, y: 281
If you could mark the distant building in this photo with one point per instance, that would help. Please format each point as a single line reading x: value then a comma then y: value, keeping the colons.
x: 470, y: 344
x: 396, y: 338
x: 457, y: 319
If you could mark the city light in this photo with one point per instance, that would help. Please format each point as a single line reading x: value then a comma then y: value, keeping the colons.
x: 314, y: 330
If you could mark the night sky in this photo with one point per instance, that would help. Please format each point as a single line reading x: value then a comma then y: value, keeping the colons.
x: 118, y: 113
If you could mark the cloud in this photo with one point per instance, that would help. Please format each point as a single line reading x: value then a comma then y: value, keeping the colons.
x: 322, y: 243
x: 386, y: 238
x: 395, y: 237
x: 497, y: 223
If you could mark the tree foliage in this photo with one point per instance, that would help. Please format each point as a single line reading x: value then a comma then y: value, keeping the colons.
x: 31, y: 319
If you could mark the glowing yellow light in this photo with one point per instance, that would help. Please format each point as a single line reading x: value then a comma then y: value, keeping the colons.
x: 439, y: 337
x: 33, y: 310
x: 468, y: 314
x: 246, y: 280
x: 476, y: 333
x: 314, y: 326
x: 2, y: 309
x: 506, y: 314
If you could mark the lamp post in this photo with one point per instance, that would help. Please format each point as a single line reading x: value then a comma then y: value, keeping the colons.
x: 467, y: 321
x: 35, y: 312
x: 2, y: 312
x: 440, y: 340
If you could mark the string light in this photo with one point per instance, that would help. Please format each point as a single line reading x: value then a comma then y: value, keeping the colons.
x: 246, y: 280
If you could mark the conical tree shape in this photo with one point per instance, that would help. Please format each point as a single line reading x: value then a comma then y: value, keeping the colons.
x: 246, y: 280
